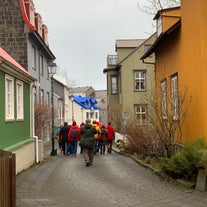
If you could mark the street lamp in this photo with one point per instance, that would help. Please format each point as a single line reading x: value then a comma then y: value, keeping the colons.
x: 52, y: 70
x: 72, y: 99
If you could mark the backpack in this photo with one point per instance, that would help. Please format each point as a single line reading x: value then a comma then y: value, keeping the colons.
x: 74, y: 133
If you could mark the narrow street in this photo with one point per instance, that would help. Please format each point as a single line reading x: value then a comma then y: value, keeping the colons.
x: 113, y: 180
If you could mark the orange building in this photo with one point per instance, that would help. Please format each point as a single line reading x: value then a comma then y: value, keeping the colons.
x: 181, y: 64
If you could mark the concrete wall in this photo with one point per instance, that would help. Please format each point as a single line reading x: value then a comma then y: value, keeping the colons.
x: 25, y: 157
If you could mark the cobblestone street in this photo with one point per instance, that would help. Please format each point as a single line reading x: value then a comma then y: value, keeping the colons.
x: 113, y: 180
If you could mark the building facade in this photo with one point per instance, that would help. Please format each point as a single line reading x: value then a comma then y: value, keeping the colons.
x: 24, y: 36
x: 181, y: 65
x: 16, y: 111
x: 130, y: 82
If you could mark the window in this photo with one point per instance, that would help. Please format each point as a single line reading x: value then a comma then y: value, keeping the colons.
x: 96, y: 115
x: 19, y: 100
x: 164, y: 99
x: 87, y: 115
x: 159, y: 26
x: 42, y: 96
x: 141, y: 112
x: 32, y: 12
x: 114, y: 85
x: 41, y: 65
x: 140, y: 80
x: 9, y: 98
x: 147, y: 47
x: 48, y: 99
x: 33, y: 58
x: 174, y: 97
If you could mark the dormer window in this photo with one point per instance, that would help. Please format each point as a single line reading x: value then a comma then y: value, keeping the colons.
x: 38, y: 23
x: 29, y: 5
x: 32, y: 13
x: 45, y: 34
x: 159, y: 25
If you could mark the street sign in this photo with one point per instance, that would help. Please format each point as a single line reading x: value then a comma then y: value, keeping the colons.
x: 126, y: 114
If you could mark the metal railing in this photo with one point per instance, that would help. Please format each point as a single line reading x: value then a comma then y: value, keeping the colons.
x: 7, y: 179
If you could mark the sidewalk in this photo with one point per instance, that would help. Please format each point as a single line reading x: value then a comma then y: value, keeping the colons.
x: 30, y: 182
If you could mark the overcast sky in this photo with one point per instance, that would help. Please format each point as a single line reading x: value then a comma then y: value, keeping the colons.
x: 83, y: 32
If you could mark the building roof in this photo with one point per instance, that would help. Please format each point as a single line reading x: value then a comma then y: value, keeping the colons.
x: 86, y: 102
x: 161, y: 39
x: 80, y: 89
x: 61, y: 79
x: 4, y: 56
x: 128, y: 43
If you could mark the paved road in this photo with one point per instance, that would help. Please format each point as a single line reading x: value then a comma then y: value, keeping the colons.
x: 113, y: 181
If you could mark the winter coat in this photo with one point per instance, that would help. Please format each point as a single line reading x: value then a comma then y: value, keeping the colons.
x: 70, y: 138
x: 64, y: 133
x: 111, y: 132
x: 87, y: 137
x: 103, y: 138
x: 98, y: 131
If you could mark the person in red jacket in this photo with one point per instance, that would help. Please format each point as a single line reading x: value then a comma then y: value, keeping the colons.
x: 111, y: 136
x: 73, y: 138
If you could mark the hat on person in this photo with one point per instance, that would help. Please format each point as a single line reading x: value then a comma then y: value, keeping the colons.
x: 74, y: 123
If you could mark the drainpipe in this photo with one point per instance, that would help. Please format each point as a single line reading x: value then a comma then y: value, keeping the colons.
x: 36, y: 149
x: 33, y: 120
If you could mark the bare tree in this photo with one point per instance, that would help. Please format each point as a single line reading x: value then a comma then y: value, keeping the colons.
x: 168, y: 127
x: 115, y: 116
x: 42, y: 120
x: 152, y: 6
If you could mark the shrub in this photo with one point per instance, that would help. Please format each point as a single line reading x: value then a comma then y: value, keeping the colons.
x: 187, y: 161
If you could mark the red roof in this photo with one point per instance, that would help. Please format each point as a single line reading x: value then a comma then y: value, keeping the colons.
x: 7, y: 57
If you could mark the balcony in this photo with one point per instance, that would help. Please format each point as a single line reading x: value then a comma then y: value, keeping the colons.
x: 112, y: 60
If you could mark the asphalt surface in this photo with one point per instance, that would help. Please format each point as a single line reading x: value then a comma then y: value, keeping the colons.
x: 112, y: 181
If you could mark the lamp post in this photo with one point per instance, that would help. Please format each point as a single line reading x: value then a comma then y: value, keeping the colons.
x: 72, y: 99
x: 52, y: 70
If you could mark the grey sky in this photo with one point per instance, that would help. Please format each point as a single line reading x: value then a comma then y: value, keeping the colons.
x: 83, y: 32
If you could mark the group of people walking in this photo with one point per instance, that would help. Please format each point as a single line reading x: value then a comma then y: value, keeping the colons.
x: 91, y: 137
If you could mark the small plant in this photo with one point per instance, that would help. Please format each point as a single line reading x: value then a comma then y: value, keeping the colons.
x: 187, y: 161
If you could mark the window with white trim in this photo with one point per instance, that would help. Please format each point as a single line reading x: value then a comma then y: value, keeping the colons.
x: 139, y: 80
x: 42, y: 96
x: 41, y: 65
x: 9, y: 98
x: 19, y: 100
x: 33, y: 58
x: 174, y: 97
x: 159, y: 25
x: 164, y: 99
x: 114, y: 85
x: 141, y: 113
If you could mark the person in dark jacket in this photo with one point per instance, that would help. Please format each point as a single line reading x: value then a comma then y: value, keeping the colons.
x: 103, y: 139
x: 64, y: 136
x: 87, y: 142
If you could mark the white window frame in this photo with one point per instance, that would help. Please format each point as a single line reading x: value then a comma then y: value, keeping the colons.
x: 114, y: 84
x: 32, y: 14
x: 140, y: 80
x: 141, y: 113
x: 42, y: 96
x: 33, y: 57
x: 164, y: 99
x: 174, y: 97
x: 20, y: 100
x: 9, y: 98
x: 159, y: 25
x: 41, y: 66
